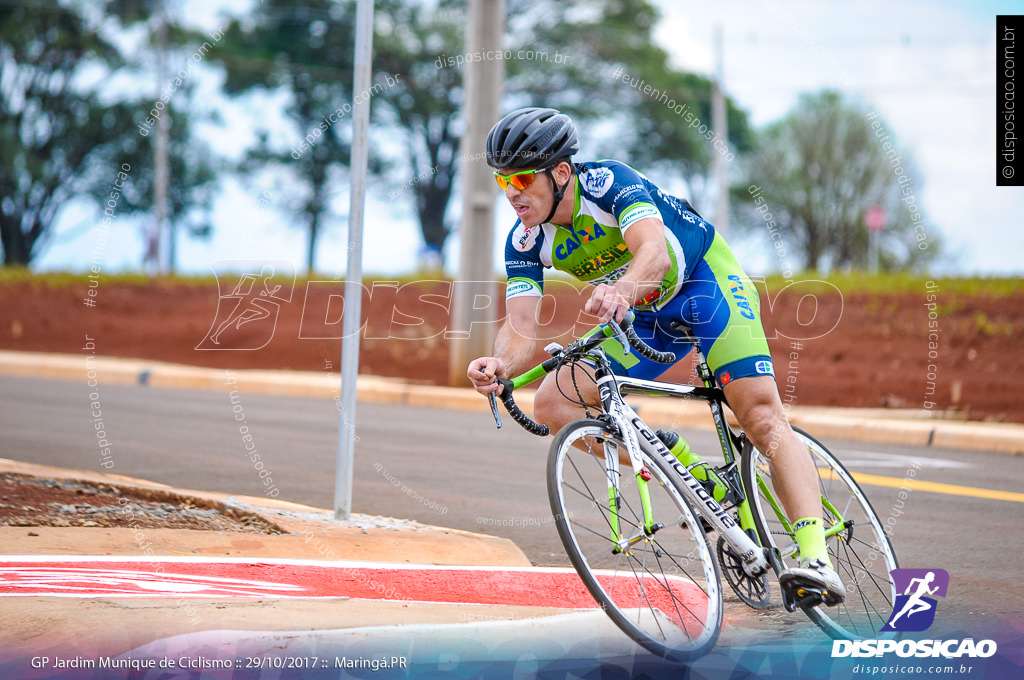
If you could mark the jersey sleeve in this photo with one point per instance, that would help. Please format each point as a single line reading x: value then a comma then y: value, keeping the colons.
x: 621, y: 191
x: 523, y: 267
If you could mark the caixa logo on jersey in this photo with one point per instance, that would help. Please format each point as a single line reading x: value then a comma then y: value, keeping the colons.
x: 914, y: 611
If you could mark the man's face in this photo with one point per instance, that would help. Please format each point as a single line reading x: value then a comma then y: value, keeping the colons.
x: 533, y: 203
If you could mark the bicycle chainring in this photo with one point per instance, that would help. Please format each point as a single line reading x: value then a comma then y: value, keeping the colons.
x: 754, y: 591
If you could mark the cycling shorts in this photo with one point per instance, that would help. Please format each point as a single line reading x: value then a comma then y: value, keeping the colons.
x: 721, y: 306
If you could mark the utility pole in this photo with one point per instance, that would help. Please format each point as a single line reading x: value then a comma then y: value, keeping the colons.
x: 474, y: 303
x: 875, y: 220
x: 721, y: 125
x: 160, y: 178
x: 351, y: 317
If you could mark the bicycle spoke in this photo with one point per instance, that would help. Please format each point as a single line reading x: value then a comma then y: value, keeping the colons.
x: 869, y: 590
x: 644, y: 587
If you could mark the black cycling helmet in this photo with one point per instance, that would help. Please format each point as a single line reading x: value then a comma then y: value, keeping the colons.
x: 531, y: 138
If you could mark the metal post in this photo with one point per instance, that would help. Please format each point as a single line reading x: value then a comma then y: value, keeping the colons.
x: 721, y: 124
x: 351, y: 320
x: 160, y: 171
x: 872, y: 252
x: 475, y: 281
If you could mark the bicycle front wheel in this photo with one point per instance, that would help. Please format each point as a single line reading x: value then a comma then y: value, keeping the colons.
x: 650, y: 568
x: 857, y: 544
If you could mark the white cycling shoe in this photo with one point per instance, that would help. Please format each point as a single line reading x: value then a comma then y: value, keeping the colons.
x: 814, y: 574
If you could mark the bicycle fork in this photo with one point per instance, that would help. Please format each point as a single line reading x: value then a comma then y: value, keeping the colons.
x: 636, y: 435
x: 643, y: 475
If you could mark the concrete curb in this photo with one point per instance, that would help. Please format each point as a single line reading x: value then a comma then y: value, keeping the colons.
x: 907, y: 427
x: 307, y: 532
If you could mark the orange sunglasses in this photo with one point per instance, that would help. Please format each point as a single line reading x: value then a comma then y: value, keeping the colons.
x: 519, y: 180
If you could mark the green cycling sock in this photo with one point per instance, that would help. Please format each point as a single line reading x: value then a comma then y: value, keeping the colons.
x: 810, y: 536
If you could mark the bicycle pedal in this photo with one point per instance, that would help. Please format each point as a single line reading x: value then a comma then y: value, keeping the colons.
x: 797, y: 596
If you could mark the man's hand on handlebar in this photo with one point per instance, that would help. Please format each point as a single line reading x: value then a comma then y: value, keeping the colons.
x: 482, y: 372
x: 606, y: 302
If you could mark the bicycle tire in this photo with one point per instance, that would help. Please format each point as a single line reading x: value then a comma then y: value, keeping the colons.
x: 870, y: 590
x: 664, y: 591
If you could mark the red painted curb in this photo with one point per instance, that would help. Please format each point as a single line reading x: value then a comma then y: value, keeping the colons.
x: 209, y: 578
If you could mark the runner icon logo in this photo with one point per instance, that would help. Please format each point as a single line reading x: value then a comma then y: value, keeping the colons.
x: 249, y: 303
x: 914, y: 610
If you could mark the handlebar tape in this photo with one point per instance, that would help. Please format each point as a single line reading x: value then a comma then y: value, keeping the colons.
x: 517, y: 414
x: 645, y: 350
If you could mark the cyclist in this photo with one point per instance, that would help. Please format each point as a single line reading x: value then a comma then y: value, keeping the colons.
x: 609, y: 225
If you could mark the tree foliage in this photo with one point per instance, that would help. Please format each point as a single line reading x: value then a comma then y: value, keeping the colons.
x: 414, y: 41
x: 419, y: 48
x: 307, y: 52
x: 64, y: 136
x: 818, y: 171
x: 559, y: 54
x: 615, y: 72
x: 56, y: 137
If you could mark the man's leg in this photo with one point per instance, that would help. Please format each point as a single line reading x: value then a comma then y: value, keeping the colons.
x: 553, y: 409
x: 756, y: 403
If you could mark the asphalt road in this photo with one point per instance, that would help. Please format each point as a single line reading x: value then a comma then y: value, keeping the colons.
x: 453, y: 468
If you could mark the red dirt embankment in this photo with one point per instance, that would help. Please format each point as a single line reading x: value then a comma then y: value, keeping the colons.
x: 832, y: 345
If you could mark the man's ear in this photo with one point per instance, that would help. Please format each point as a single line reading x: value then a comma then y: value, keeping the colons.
x: 562, y: 172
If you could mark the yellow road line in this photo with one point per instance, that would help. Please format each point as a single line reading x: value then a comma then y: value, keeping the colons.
x: 937, y: 487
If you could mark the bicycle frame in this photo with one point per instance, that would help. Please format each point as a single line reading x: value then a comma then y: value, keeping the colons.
x: 752, y: 547
x: 637, y: 435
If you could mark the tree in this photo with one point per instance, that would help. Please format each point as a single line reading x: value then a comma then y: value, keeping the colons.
x: 191, y: 166
x: 57, y: 138
x: 818, y: 170
x: 564, y: 55
x: 415, y: 41
x: 61, y: 139
x: 307, y: 52
x: 615, y: 73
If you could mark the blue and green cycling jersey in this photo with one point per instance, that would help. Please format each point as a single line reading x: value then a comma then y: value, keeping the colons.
x: 609, y: 197
x: 705, y: 287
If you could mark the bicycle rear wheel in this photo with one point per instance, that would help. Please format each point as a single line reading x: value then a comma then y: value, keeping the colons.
x: 857, y: 544
x: 662, y: 587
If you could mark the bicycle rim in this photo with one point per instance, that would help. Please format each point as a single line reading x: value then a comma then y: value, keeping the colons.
x: 860, y: 552
x: 663, y: 590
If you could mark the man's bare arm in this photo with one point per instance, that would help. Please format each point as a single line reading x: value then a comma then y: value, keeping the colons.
x: 513, y: 347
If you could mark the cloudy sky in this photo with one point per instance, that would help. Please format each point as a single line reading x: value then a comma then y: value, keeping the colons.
x: 927, y: 66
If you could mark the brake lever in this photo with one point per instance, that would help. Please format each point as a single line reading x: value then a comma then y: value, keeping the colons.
x: 494, y: 409
x: 620, y: 335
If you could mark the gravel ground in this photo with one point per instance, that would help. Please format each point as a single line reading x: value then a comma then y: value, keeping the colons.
x: 35, y: 501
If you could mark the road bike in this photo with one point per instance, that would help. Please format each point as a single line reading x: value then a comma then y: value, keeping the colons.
x: 635, y: 521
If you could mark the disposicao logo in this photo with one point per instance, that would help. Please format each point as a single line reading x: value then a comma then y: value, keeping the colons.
x: 914, y: 611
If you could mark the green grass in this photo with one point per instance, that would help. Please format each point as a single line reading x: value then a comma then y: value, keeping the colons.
x: 860, y: 282
x: 857, y: 282
x: 61, y: 279
x: 16, y: 275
